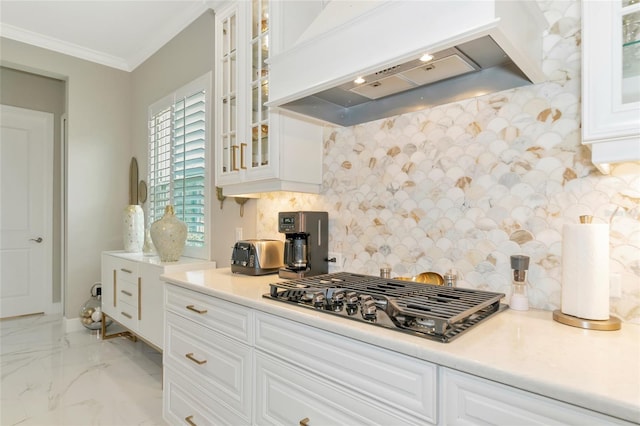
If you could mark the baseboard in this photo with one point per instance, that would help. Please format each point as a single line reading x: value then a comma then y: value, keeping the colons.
x: 55, y: 308
x: 72, y: 324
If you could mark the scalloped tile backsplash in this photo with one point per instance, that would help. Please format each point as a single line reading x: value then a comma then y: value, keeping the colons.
x: 468, y: 184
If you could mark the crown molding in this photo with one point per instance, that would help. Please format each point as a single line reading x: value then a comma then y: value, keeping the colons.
x: 60, y: 46
x: 152, y: 45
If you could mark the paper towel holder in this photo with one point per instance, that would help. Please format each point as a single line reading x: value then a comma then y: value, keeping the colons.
x: 611, y: 324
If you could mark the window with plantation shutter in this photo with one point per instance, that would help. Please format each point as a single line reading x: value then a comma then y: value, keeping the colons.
x: 178, y: 159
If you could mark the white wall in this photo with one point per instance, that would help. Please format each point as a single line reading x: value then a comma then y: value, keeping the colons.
x: 98, y: 154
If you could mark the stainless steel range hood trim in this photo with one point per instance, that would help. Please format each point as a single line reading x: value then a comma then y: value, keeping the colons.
x: 470, y: 85
x: 370, y: 42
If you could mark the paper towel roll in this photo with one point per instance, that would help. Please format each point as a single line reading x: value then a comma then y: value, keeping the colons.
x: 585, y: 271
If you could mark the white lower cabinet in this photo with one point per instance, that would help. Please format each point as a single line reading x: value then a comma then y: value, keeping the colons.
x: 290, y: 395
x: 207, y: 361
x: 214, y: 365
x: 227, y: 364
x: 133, y: 294
x: 186, y: 403
x: 359, y: 383
x: 471, y: 400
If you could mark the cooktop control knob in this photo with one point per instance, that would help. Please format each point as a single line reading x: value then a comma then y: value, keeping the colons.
x: 318, y: 300
x: 337, y: 300
x: 352, y: 302
x: 368, y: 308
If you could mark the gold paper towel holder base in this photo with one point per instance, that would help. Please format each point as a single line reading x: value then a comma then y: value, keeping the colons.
x: 612, y: 324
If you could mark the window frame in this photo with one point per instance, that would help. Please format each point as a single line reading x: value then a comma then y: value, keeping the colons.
x: 203, y: 82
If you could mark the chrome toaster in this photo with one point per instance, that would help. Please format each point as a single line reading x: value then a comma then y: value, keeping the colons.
x: 257, y: 257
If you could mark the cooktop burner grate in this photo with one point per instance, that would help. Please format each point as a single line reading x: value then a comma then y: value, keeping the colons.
x: 430, y: 311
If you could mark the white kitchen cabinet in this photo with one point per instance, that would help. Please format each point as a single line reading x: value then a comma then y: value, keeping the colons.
x: 290, y: 395
x: 226, y: 363
x: 186, y: 403
x: 257, y: 149
x: 207, y: 361
x: 470, y: 400
x: 611, y: 81
x: 213, y: 365
x: 133, y: 294
x: 330, y: 379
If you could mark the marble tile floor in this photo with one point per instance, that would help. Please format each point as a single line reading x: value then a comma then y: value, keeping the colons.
x: 49, y: 377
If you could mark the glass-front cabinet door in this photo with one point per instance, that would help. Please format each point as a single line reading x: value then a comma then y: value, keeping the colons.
x: 257, y: 149
x: 227, y: 95
x: 242, y: 83
x: 259, y: 84
x: 630, y: 18
x: 611, y: 81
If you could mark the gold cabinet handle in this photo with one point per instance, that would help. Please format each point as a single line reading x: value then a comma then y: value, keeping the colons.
x: 126, y: 315
x: 305, y: 421
x: 114, y: 288
x: 126, y: 292
x: 128, y: 271
x: 189, y: 421
x: 234, y: 155
x: 139, y: 298
x: 194, y: 359
x: 243, y: 166
x: 194, y: 309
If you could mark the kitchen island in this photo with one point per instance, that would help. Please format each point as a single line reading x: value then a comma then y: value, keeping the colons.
x: 528, y: 351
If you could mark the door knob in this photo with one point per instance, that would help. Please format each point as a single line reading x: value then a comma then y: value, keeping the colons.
x: 37, y: 240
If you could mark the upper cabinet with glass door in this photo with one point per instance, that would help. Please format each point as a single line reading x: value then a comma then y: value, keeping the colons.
x: 259, y: 85
x: 227, y: 96
x: 258, y: 150
x: 611, y: 81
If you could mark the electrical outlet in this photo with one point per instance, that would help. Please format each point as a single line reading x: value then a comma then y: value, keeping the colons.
x: 238, y: 234
x: 615, y: 285
x: 338, y: 265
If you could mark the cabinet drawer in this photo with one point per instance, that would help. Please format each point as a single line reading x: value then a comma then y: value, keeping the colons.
x: 287, y: 395
x: 470, y: 400
x: 183, y: 400
x: 127, y: 315
x: 212, y: 361
x: 225, y: 317
x: 128, y: 292
x: 392, y: 379
x: 126, y: 270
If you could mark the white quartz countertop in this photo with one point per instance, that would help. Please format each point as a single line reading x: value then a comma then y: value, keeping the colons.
x: 598, y: 370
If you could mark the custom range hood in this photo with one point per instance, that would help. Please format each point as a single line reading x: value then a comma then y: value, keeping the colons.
x: 477, y: 47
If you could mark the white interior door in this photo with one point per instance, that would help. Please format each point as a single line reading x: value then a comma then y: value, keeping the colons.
x: 26, y: 172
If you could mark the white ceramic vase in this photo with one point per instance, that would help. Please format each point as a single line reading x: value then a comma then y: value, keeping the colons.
x: 169, y: 235
x: 133, y: 228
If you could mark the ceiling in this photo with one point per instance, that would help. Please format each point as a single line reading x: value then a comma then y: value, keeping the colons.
x: 120, y: 34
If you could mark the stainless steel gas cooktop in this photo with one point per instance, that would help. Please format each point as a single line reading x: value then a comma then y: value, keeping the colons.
x: 430, y: 311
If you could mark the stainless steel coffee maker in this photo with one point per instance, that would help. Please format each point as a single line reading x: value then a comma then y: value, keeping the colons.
x: 306, y: 244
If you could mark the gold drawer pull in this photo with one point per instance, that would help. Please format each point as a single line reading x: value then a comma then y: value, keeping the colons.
x: 194, y: 359
x: 305, y: 421
x: 126, y: 292
x: 126, y: 315
x: 194, y: 309
x: 189, y: 421
x: 139, y: 298
x: 242, y: 148
x: 128, y: 271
